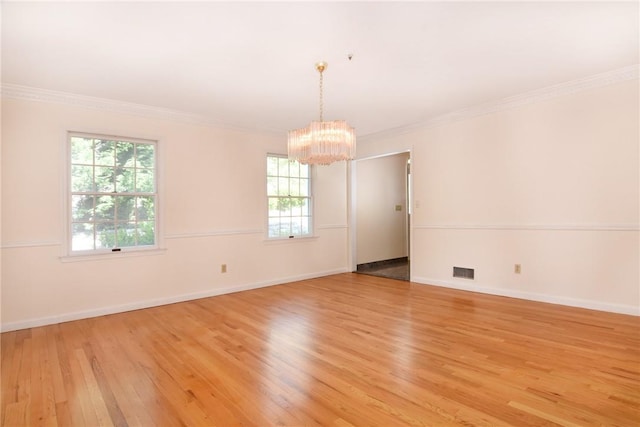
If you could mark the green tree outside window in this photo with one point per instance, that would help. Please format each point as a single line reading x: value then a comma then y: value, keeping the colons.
x: 113, y: 193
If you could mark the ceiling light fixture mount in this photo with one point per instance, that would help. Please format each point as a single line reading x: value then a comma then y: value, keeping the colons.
x: 321, y: 142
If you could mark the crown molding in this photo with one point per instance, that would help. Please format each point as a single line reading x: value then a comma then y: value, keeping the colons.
x: 631, y: 72
x: 13, y: 91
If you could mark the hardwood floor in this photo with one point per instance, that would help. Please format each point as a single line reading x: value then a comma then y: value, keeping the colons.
x: 344, y: 350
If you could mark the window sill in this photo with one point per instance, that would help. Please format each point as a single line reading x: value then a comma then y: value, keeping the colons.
x: 113, y: 255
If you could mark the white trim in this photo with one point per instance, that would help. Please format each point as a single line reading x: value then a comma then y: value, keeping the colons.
x: 30, y: 244
x: 107, y: 256
x: 352, y: 191
x: 65, y: 196
x: 631, y: 72
x: 294, y: 239
x: 18, y: 92
x: 353, y: 194
x: 531, y: 296
x: 194, y: 235
x: 12, y: 91
x: 535, y: 227
x: 85, y: 314
x: 331, y: 226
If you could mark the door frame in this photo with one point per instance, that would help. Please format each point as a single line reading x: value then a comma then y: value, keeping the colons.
x: 353, y: 193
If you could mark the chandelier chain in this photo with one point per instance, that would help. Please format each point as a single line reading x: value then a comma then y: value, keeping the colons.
x: 321, y: 98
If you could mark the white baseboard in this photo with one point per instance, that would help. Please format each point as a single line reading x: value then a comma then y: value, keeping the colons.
x: 121, y: 308
x: 531, y: 296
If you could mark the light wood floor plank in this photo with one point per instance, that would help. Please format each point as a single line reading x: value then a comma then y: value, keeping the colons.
x: 344, y: 350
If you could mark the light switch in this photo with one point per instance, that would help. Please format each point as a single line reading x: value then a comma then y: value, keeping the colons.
x: 398, y: 207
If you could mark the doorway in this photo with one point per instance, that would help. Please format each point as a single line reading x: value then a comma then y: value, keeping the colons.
x: 381, y: 198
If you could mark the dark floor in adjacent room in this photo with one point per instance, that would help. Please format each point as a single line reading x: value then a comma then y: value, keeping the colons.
x: 397, y: 268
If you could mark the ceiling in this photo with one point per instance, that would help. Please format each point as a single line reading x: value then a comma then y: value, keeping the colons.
x: 251, y: 65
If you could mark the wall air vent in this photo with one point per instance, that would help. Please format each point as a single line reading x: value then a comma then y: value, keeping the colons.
x: 465, y: 273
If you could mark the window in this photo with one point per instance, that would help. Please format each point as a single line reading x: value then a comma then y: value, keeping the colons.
x: 113, y: 193
x: 289, y: 197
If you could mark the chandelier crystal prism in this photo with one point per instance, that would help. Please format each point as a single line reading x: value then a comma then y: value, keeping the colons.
x: 322, y: 143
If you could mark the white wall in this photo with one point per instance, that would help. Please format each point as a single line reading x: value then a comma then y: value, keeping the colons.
x: 212, y: 211
x: 552, y: 185
x: 381, y: 230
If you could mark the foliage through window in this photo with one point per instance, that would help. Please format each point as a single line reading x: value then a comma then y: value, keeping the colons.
x: 113, y: 193
x: 289, y: 197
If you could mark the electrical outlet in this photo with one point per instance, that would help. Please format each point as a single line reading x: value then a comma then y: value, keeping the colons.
x: 223, y: 268
x: 517, y: 269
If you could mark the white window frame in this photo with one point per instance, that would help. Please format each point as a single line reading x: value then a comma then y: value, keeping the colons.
x: 109, y: 251
x: 310, y: 215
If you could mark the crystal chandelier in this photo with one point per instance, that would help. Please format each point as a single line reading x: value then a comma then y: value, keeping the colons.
x: 322, y: 143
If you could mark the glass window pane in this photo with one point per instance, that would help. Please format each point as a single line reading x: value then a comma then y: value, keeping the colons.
x: 305, y: 225
x: 284, y: 206
x: 304, y: 207
x: 304, y: 187
x: 125, y: 208
x: 145, y: 208
x: 125, y: 234
x: 284, y: 227
x: 294, y: 187
x: 294, y: 169
x: 105, y: 208
x: 304, y: 171
x: 81, y: 178
x: 105, y: 179
x: 283, y: 186
x: 296, y: 226
x: 145, y: 156
x: 125, y: 154
x: 105, y: 235
x: 82, y: 208
x: 296, y: 207
x: 272, y: 186
x: 274, y: 227
x: 145, y: 181
x: 82, y: 150
x: 82, y: 237
x: 105, y: 152
x: 146, y: 233
x: 283, y: 166
x: 274, y: 206
x: 272, y: 166
x: 125, y: 180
